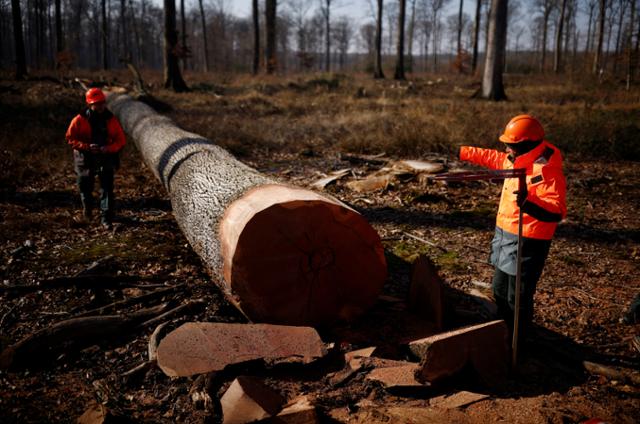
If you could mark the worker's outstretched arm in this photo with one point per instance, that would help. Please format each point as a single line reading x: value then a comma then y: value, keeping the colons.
x: 489, y: 158
x: 546, y: 199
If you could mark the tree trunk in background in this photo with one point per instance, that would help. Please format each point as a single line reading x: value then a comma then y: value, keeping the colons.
x: 18, y: 40
x: 412, y: 27
x: 256, y: 36
x: 492, y: 85
x: 630, y: 53
x: 282, y: 254
x: 270, y: 47
x: 327, y: 31
x: 183, y: 27
x: 399, y: 74
x: 172, y: 76
x: 204, y: 37
x: 557, y: 57
x: 59, y: 37
x: 545, y: 29
x: 105, y: 36
x: 125, y: 34
x: 476, y: 36
x: 623, y: 7
x: 378, y: 67
x: 587, y: 48
x: 459, y: 47
x: 598, y: 56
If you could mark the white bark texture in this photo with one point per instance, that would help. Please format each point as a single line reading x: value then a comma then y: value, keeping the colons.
x: 201, y: 178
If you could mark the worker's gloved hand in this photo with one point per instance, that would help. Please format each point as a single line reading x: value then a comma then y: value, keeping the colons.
x: 521, y: 197
x: 103, y: 149
x: 94, y: 148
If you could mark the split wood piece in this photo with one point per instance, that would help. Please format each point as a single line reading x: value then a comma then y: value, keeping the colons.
x: 282, y: 254
x: 426, y: 296
x: 298, y: 411
x: 419, y: 167
x: 378, y: 159
x: 333, y: 176
x: 457, y: 400
x: 371, y: 183
x: 78, y: 332
x: 248, y: 400
x: 198, y: 347
x: 398, y: 378
x: 483, y: 346
x: 620, y: 374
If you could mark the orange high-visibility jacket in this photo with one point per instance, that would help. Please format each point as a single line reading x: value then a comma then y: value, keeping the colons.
x: 79, y: 134
x: 546, y: 188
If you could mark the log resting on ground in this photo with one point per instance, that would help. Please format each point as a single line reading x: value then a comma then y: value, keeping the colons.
x: 282, y: 254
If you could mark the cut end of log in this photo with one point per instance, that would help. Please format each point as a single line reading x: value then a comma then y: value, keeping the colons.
x: 293, y: 256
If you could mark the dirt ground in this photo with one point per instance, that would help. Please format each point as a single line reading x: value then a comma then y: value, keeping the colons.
x: 591, y: 276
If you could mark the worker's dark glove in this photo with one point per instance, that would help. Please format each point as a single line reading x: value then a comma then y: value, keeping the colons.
x: 94, y: 148
x: 103, y: 149
x: 521, y: 197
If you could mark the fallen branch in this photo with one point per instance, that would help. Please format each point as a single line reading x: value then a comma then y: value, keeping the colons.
x: 620, y: 374
x: 73, y: 333
x: 427, y: 242
x: 129, y: 302
x: 172, y: 312
x: 81, y: 281
x: 144, y: 366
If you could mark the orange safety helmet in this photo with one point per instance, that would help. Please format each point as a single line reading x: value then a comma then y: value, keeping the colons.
x: 94, y: 95
x: 522, y: 128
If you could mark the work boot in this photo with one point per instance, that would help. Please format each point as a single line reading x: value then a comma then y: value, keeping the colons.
x: 105, y: 221
x: 87, y: 214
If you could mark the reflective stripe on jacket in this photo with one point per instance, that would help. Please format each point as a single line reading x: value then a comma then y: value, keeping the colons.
x: 546, y: 188
x: 79, y: 134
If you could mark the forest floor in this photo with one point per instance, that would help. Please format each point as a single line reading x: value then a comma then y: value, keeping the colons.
x: 296, y: 131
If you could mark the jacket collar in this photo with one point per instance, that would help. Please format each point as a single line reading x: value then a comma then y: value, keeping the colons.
x: 528, y: 158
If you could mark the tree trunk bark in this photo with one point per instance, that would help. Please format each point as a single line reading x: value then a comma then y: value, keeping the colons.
x: 282, y: 254
x: 587, y: 48
x: 183, y: 27
x: 256, y: 37
x: 630, y: 52
x: 460, y: 27
x: 623, y: 7
x: 270, y: 48
x: 204, y: 37
x: 492, y: 86
x: 327, y: 30
x: 557, y: 57
x: 59, y: 38
x: 105, y: 36
x: 125, y: 33
x: 545, y: 29
x: 598, y: 56
x: 476, y: 36
x: 399, y: 74
x: 18, y: 39
x: 172, y: 76
x: 378, y: 73
x: 412, y: 27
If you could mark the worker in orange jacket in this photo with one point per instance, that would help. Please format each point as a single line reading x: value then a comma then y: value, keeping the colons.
x: 543, y: 206
x: 96, y: 137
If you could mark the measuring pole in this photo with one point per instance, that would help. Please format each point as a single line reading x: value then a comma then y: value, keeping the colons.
x: 502, y: 174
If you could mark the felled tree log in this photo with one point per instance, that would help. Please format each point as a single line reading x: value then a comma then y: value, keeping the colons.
x: 282, y: 254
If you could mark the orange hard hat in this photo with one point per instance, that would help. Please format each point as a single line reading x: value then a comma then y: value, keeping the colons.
x: 522, y: 128
x: 94, y: 95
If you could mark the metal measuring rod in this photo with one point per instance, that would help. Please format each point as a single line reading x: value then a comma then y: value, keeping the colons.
x: 501, y: 174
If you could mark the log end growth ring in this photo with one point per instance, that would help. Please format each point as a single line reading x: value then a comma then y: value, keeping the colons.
x: 293, y: 256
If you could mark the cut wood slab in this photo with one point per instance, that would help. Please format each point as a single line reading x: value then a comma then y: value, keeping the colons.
x: 332, y: 177
x: 426, y: 297
x: 457, y: 400
x: 371, y: 183
x: 483, y: 346
x: 281, y: 254
x: 248, y: 400
x: 397, y: 378
x: 419, y: 167
x: 196, y: 348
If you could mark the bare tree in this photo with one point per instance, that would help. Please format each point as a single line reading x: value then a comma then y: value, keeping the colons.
x: 342, y: 34
x: 399, y: 74
x: 630, y: 53
x: 598, y: 56
x: 378, y: 67
x: 105, y: 36
x: 436, y: 8
x: 183, y: 24
x: 270, y: 48
x: 123, y: 29
x: 459, y: 45
x: 18, y: 40
x: 546, y: 7
x: 203, y: 21
x: 591, y: 6
x: 59, y: 32
x: 325, y: 9
x: 476, y: 33
x: 492, y: 85
x: 623, y: 8
x: 172, y: 76
x: 256, y: 36
x: 411, y: 36
x: 557, y: 57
